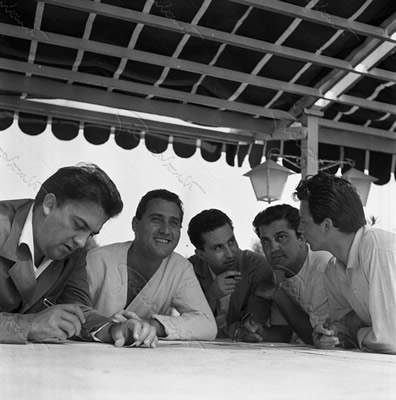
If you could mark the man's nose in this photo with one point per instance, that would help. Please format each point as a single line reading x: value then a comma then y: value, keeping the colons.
x: 274, y: 246
x: 164, y: 227
x: 81, y: 240
x: 229, y: 251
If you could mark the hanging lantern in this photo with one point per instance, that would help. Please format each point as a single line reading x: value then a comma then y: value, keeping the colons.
x: 268, y: 180
x: 361, y: 181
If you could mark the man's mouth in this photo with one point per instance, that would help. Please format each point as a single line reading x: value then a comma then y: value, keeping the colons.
x: 162, y: 240
x: 230, y: 264
x: 69, y: 248
x: 276, y: 258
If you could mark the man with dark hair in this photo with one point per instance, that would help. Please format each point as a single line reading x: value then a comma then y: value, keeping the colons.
x: 43, y: 286
x: 298, y: 290
x: 147, y: 279
x: 228, y: 275
x: 361, y: 277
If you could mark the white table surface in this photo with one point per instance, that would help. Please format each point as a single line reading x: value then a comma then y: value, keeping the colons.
x: 193, y: 370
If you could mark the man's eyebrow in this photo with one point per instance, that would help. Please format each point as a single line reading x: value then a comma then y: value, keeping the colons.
x: 86, y: 225
x: 157, y: 214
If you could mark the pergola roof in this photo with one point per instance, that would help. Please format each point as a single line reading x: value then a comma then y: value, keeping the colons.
x: 254, y: 68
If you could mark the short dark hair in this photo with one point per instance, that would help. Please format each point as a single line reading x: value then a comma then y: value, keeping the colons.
x: 333, y: 197
x: 206, y: 221
x: 83, y: 182
x: 158, y: 194
x: 276, y: 213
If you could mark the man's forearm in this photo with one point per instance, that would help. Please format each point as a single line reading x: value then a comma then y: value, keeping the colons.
x: 276, y: 333
x: 160, y: 329
x: 15, y: 328
x: 211, y: 301
x: 295, y: 316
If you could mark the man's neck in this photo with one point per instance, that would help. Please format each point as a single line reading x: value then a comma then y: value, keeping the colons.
x: 341, y: 247
x: 298, y: 264
x: 146, y: 265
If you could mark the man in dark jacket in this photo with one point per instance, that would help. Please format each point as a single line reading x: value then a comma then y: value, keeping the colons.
x: 43, y: 287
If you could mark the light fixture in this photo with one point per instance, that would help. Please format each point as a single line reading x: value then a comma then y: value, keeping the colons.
x: 268, y: 180
x: 361, y: 181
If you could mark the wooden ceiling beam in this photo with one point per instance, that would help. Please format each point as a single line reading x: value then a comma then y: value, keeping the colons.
x: 217, y: 36
x: 319, y: 17
x: 51, y: 89
x: 133, y: 88
x: 156, y: 59
x: 122, y: 122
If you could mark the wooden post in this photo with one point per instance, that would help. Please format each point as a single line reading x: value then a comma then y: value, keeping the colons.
x: 310, y: 145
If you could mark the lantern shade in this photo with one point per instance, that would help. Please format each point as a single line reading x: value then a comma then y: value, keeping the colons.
x: 361, y: 181
x: 268, y: 180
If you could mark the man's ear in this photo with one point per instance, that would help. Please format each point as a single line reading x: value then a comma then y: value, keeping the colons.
x: 134, y: 223
x: 49, y: 203
x: 327, y: 224
x: 199, y: 254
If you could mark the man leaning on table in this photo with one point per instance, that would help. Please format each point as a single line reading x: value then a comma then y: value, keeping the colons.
x: 43, y: 286
x: 361, y: 278
x: 298, y: 292
x: 227, y: 274
x: 147, y: 278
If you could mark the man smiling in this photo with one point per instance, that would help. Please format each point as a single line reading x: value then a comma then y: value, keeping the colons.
x: 145, y: 277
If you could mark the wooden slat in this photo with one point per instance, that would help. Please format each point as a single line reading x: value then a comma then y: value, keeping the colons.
x: 122, y: 121
x: 133, y: 88
x: 217, y: 36
x: 357, y: 140
x: 47, y: 88
x: 319, y: 17
x: 363, y: 130
x: 156, y: 59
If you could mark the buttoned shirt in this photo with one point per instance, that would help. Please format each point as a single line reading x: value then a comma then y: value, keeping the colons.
x: 27, y: 239
x: 367, y: 285
x: 307, y: 288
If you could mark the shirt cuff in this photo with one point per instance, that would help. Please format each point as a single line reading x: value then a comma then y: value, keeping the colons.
x: 93, y: 334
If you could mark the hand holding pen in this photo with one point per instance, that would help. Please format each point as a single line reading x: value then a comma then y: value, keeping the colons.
x: 57, y: 322
x: 325, y: 335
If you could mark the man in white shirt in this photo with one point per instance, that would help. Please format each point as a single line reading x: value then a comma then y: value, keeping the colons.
x: 361, y: 279
x: 298, y: 291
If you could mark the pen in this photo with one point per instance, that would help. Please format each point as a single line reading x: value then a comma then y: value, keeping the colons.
x: 48, y: 303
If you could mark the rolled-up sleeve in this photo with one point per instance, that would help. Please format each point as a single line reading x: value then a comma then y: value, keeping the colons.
x: 380, y: 265
x: 196, y: 320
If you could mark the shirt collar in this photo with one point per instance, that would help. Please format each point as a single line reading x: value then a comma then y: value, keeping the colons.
x: 27, y: 233
x: 353, y: 256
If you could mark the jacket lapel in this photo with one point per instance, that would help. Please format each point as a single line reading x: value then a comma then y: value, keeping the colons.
x: 22, y: 272
x: 44, y: 283
x: 23, y: 278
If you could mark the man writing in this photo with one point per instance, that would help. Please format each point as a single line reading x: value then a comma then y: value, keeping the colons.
x: 42, y: 262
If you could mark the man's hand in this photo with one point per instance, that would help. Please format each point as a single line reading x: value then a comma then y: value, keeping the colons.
x: 248, y: 331
x: 56, y: 323
x: 224, y: 284
x: 124, y: 315
x: 133, y: 331
x: 266, y: 290
x: 325, y: 336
